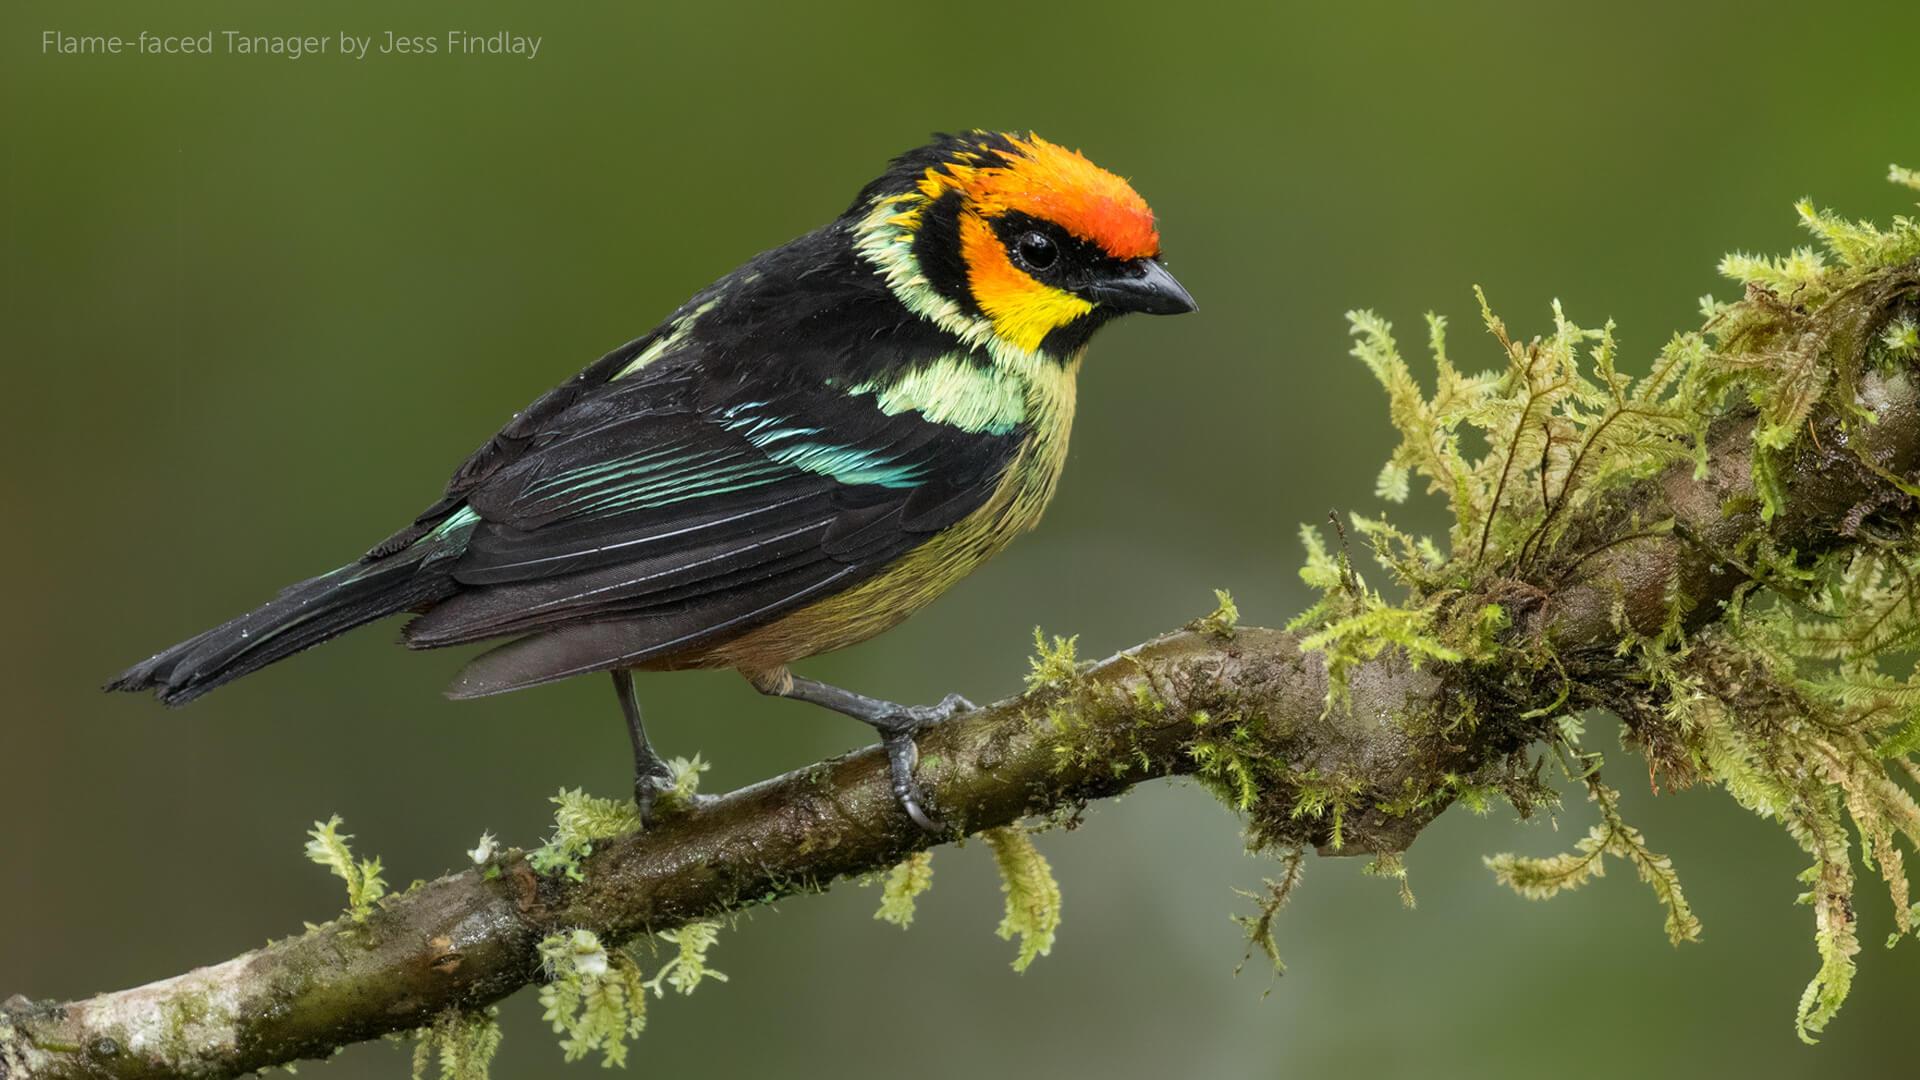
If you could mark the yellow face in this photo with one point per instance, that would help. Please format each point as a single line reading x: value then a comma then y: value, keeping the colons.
x: 1052, y: 187
x: 1024, y: 310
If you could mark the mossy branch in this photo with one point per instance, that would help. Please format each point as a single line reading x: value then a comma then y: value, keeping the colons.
x: 1581, y: 576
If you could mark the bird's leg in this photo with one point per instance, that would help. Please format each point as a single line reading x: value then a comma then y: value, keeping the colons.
x: 897, y: 725
x: 651, y: 776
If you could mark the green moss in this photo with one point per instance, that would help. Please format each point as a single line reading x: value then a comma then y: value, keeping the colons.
x: 1229, y: 760
x: 1087, y: 726
x: 1325, y: 799
x: 1802, y: 704
x: 1392, y: 866
x: 1032, y: 895
x: 901, y: 889
x: 461, y: 1043
x: 580, y: 820
x: 1267, y: 907
x: 327, y: 846
x: 1054, y: 667
x: 1539, y: 879
x: 1224, y: 619
x: 688, y: 967
x: 594, y: 996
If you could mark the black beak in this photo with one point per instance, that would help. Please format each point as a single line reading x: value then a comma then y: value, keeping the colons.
x: 1142, y: 285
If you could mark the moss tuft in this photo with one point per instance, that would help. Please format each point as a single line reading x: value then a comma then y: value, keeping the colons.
x: 461, y: 1042
x: 1267, y: 907
x: 688, y: 967
x: 594, y: 996
x: 580, y: 820
x: 327, y: 846
x: 1054, y: 667
x: 901, y: 889
x: 1802, y: 702
x: 1540, y: 879
x: 1033, y: 897
x: 1224, y: 619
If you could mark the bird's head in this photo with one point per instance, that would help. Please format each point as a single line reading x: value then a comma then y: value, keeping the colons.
x: 1012, y: 240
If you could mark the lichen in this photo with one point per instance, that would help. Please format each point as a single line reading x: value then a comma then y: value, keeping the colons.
x: 15, y: 1052
x: 484, y: 851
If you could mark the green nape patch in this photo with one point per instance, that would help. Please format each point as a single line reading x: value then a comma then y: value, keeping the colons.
x: 1802, y: 702
x: 957, y: 391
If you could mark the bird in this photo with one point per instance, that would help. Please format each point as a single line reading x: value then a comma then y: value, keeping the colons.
x: 806, y: 452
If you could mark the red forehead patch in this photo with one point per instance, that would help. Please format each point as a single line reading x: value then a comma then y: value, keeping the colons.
x: 1055, y: 184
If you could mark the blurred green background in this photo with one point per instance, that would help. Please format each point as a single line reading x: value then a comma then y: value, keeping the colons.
x: 256, y: 309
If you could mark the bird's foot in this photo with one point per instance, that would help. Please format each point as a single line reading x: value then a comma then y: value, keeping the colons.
x: 650, y: 781
x: 897, y: 729
x: 897, y: 725
x: 656, y: 795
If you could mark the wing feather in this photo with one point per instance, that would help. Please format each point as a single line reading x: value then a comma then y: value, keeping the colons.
x: 579, y: 648
x: 670, y: 520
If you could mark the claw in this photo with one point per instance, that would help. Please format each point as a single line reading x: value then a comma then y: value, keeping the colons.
x: 902, y: 753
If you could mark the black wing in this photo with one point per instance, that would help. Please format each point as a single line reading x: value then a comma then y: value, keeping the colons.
x: 727, y: 482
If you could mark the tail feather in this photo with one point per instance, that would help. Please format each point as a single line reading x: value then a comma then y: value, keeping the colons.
x: 302, y: 616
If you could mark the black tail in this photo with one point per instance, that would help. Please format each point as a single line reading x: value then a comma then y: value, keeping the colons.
x: 302, y: 616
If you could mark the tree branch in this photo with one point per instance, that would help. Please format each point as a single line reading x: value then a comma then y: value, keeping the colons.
x: 1338, y: 777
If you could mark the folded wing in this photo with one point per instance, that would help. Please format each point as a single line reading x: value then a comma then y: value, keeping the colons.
x: 658, y: 513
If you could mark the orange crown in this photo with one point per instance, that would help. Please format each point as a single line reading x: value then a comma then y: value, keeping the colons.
x: 1055, y: 184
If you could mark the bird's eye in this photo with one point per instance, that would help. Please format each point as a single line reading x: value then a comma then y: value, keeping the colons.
x: 1036, y: 250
